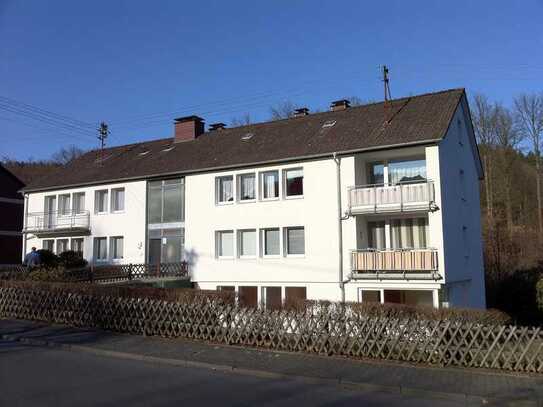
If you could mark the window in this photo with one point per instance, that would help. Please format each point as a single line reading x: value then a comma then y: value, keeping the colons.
x: 48, y: 244
x: 295, y: 241
x: 166, y: 201
x: 62, y: 245
x: 247, y: 187
x: 225, y: 189
x: 116, y: 248
x: 293, y: 294
x: 100, y: 201
x: 409, y: 233
x: 376, y: 235
x: 248, y: 296
x: 166, y: 245
x: 270, y: 185
x: 377, y: 174
x: 225, y: 244
x: 64, y: 204
x: 407, y: 171
x: 294, y: 182
x: 272, y: 297
x: 271, y: 242
x: 117, y: 200
x: 77, y: 245
x: 100, y: 248
x: 370, y: 295
x: 78, y: 202
x: 247, y: 243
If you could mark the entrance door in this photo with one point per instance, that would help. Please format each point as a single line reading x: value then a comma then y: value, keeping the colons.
x: 155, y: 249
x: 49, y: 211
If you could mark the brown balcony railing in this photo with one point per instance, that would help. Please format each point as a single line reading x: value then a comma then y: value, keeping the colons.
x: 394, y: 260
x: 401, y: 197
x: 57, y: 221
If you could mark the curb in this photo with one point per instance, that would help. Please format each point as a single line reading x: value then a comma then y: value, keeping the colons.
x: 339, y: 382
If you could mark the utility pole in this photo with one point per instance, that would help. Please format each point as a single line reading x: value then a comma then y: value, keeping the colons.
x: 103, y: 132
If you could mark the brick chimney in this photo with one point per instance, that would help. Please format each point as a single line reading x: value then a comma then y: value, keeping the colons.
x: 216, y: 126
x: 339, y: 105
x: 188, y: 128
x: 303, y: 111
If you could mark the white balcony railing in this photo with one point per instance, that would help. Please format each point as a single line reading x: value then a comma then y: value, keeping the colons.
x: 57, y: 222
x: 401, y: 197
x: 394, y: 261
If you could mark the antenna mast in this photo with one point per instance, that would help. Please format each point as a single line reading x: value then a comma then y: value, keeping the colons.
x: 103, y: 132
x: 386, y: 89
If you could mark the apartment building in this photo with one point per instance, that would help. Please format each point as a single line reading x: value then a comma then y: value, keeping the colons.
x: 371, y: 203
x: 11, y: 217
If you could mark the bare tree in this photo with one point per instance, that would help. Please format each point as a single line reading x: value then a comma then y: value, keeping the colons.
x: 243, y: 120
x: 529, y: 119
x: 282, y: 110
x: 67, y: 154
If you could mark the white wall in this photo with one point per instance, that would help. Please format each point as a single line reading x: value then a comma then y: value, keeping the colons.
x: 129, y: 223
x: 316, y: 212
x: 461, y: 214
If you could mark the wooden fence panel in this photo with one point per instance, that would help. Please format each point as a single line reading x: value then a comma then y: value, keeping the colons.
x: 334, y: 330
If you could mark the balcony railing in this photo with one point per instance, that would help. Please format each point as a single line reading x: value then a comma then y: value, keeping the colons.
x: 403, y: 197
x: 57, y: 222
x: 394, y: 261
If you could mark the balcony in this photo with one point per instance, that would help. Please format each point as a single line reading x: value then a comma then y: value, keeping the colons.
x: 57, y: 223
x: 395, y: 263
x: 403, y: 197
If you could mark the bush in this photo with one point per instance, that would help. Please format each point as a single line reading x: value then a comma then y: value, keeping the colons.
x: 48, y: 259
x: 539, y: 294
x: 72, y: 259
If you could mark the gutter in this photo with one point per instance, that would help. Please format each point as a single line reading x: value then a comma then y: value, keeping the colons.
x: 232, y: 166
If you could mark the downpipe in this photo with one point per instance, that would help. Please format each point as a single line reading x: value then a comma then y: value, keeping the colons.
x: 341, y: 218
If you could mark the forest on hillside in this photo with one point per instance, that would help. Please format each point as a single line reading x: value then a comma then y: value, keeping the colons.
x: 509, y: 140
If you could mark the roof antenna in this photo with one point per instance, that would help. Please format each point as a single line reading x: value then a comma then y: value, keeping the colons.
x: 388, y: 97
x: 103, y: 132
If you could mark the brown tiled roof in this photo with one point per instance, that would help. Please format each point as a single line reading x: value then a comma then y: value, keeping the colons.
x: 417, y: 119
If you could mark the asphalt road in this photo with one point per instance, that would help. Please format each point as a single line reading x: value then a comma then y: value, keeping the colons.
x: 41, y: 376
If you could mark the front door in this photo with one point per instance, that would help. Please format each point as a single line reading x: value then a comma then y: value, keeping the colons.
x: 155, y: 249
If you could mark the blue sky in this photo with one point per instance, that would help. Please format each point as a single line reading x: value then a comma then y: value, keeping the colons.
x: 137, y: 65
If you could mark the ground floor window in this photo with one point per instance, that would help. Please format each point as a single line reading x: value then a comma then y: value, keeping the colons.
x: 48, y: 244
x: 62, y: 245
x: 248, y: 296
x: 271, y: 298
x: 293, y: 294
x: 370, y: 296
x: 398, y: 296
x: 100, y: 248
x: 77, y: 245
x: 117, y: 247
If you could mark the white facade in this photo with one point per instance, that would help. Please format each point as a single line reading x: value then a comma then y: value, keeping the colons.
x: 293, y: 241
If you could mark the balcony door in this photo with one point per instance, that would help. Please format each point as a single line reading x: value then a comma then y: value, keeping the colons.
x: 398, y: 233
x: 49, y: 211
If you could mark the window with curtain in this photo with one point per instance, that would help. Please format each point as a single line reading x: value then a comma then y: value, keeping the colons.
x: 270, y: 184
x: 225, y: 243
x: 247, y: 185
x: 100, y: 248
x: 117, y: 200
x: 100, y: 201
x: 225, y: 189
x: 376, y: 235
x: 64, y: 204
x: 294, y: 182
x: 409, y: 233
x: 271, y: 242
x: 406, y: 171
x: 117, y: 247
x: 78, y: 199
x: 62, y: 245
x: 77, y: 245
x: 295, y: 241
x: 247, y: 243
x: 48, y: 244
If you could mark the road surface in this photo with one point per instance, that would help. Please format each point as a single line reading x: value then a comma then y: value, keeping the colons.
x: 45, y: 376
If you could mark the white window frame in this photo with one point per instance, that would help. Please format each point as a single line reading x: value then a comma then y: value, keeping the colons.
x: 262, y: 185
x: 96, y: 205
x: 57, y: 242
x: 218, y: 244
x: 82, y: 199
x: 53, y: 246
x: 217, y: 190
x: 285, y: 239
x: 112, y: 241
x: 95, y: 251
x: 112, y: 199
x: 240, y: 189
x: 82, y: 244
x: 263, y: 243
x: 284, y: 182
x: 240, y: 245
x: 60, y: 198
